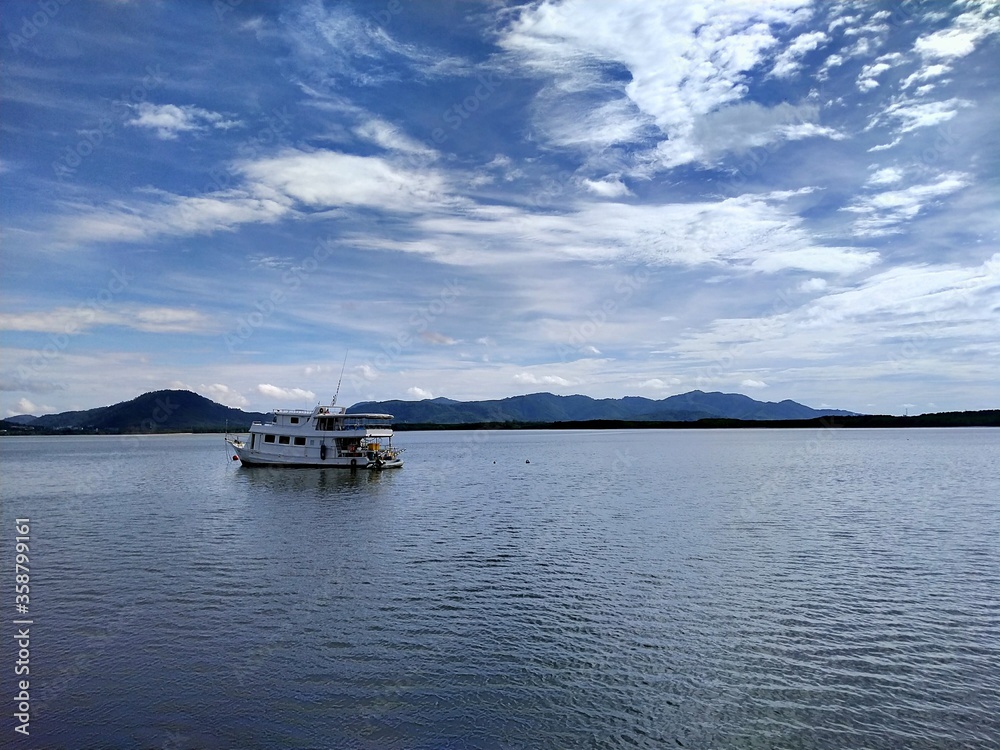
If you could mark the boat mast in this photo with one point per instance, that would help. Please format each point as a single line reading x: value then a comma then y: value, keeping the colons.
x: 342, y: 368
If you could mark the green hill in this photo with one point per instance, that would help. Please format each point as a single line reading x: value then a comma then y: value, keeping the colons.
x: 159, y: 411
x: 547, y: 407
x: 184, y: 411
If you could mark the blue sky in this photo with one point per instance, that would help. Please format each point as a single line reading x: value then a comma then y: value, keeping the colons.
x: 786, y: 199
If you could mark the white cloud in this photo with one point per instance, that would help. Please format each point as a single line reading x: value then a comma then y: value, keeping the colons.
x: 683, y: 61
x: 502, y: 166
x: 961, y: 38
x: 833, y: 61
x: 821, y: 259
x: 338, y: 47
x: 310, y: 370
x: 923, y: 115
x: 750, y: 383
x: 864, y: 47
x: 319, y: 179
x: 527, y: 378
x: 437, y: 338
x: 168, y: 320
x: 875, y: 29
x: 285, y: 394
x: 883, y: 213
x: 751, y: 232
x: 932, y: 307
x: 505, y: 165
x: 790, y: 60
x: 329, y: 179
x: 23, y: 406
x: 813, y: 285
x: 169, y: 120
x: 73, y: 320
x: 941, y: 49
x: 924, y: 74
x: 660, y: 384
x: 931, y: 292
x: 419, y: 393
x: 391, y: 138
x: 867, y: 84
x: 609, y: 187
x: 740, y: 127
x: 63, y: 320
x: 886, y: 146
x: 866, y: 79
x: 170, y: 215
x: 842, y: 20
x: 223, y: 394
x: 886, y: 176
x: 567, y: 121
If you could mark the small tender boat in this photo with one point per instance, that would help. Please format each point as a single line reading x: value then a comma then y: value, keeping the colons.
x: 327, y: 436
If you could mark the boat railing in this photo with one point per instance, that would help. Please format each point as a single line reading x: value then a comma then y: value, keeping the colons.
x: 331, y: 411
x: 366, y: 426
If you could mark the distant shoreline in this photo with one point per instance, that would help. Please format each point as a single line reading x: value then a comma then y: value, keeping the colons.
x: 986, y: 418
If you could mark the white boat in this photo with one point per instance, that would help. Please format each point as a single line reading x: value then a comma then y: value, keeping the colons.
x: 327, y: 436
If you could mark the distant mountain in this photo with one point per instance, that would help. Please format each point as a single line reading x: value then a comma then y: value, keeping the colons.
x: 21, y: 419
x: 184, y: 411
x: 159, y: 411
x: 547, y: 407
x: 738, y: 406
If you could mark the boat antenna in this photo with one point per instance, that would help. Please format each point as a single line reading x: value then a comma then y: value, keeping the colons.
x: 343, y: 367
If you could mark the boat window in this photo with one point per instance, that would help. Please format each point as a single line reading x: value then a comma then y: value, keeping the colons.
x: 283, y: 439
x: 253, y: 439
x: 295, y: 420
x: 300, y: 441
x: 269, y: 438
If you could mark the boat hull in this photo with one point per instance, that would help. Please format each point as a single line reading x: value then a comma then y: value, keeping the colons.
x: 257, y: 459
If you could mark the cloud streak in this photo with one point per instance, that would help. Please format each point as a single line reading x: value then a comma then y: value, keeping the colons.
x: 168, y: 121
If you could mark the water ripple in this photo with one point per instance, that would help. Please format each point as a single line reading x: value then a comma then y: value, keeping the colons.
x: 734, y: 591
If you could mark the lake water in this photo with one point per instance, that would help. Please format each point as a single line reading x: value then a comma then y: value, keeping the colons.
x: 624, y: 589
